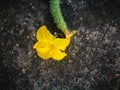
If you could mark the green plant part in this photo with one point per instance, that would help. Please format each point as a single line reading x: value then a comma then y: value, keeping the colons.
x: 57, y: 15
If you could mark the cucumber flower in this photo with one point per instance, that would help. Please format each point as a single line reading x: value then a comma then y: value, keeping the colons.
x: 49, y: 46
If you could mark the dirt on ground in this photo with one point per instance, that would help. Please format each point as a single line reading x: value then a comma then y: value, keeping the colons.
x: 93, y: 57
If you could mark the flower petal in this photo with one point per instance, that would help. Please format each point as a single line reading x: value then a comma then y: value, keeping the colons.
x: 57, y: 54
x: 39, y: 44
x: 61, y: 43
x: 50, y: 47
x: 43, y: 35
x: 69, y: 34
x: 42, y: 49
x: 43, y: 53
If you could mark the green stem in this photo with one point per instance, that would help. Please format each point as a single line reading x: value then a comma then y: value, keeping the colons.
x: 57, y: 14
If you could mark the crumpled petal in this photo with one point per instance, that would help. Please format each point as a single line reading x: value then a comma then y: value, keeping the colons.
x: 69, y: 34
x: 43, y: 55
x: 61, y: 43
x: 57, y: 54
x: 42, y: 50
x: 39, y: 44
x: 50, y: 47
x: 43, y: 35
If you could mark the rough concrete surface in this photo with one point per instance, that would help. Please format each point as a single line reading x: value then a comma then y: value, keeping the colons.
x: 93, y: 61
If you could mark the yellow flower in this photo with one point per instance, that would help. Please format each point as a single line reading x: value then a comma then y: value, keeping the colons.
x: 50, y: 47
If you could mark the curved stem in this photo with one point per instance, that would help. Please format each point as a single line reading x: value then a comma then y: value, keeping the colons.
x: 57, y: 15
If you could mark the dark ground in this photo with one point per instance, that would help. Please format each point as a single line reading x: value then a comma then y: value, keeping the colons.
x: 93, y: 61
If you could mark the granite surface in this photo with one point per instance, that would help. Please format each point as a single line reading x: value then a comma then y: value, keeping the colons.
x: 93, y: 61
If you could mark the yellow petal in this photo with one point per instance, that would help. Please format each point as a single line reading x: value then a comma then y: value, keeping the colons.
x: 50, y: 47
x: 69, y: 34
x: 57, y: 54
x: 42, y: 49
x: 43, y: 35
x: 61, y: 43
x: 39, y: 44
x: 43, y: 53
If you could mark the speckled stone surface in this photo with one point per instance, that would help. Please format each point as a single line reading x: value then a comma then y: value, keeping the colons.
x: 93, y: 61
